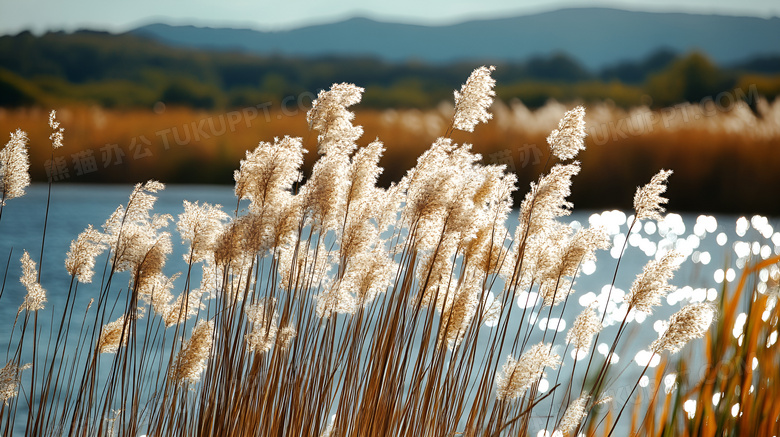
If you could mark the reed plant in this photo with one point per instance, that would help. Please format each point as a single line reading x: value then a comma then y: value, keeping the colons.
x: 734, y: 391
x: 327, y: 305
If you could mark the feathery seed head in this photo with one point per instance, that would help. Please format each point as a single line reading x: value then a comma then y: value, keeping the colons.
x: 10, y: 378
x: 146, y: 260
x: 228, y: 245
x: 83, y: 251
x: 364, y: 171
x: 458, y: 312
x: 337, y: 299
x: 329, y: 116
x: 132, y: 232
x: 648, y: 201
x: 691, y: 322
x: 263, y: 317
x: 474, y: 99
x: 653, y: 283
x: 580, y: 248
x: 574, y: 415
x: 192, y: 357
x: 14, y: 167
x: 325, y: 192
x: 36, y: 295
x: 155, y: 290
x: 566, y: 141
x: 542, y: 256
x: 554, y: 290
x: 517, y: 376
x: 547, y: 199
x: 585, y: 326
x: 285, y: 336
x: 368, y: 274
x: 200, y: 225
x: 185, y: 306
x: 56, y: 136
x: 112, y: 336
x: 269, y: 172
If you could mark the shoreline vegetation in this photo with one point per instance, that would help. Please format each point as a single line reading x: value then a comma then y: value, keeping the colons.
x: 140, y: 109
x: 127, y: 71
x: 722, y: 148
x: 332, y: 306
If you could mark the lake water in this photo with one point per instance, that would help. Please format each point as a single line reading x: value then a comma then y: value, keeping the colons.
x: 715, y: 248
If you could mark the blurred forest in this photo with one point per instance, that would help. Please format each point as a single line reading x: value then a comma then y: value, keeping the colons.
x: 124, y: 71
x: 134, y: 109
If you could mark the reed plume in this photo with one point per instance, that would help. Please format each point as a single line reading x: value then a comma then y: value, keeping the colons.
x: 329, y: 116
x: 113, y: 335
x: 14, y: 167
x: 566, y: 141
x: 653, y: 283
x: 57, y: 135
x: 35, y: 298
x: 585, y: 326
x: 10, y: 378
x: 474, y: 99
x: 80, y: 261
x: 517, y: 376
x: 193, y: 356
x: 574, y: 415
x: 648, y: 203
x: 691, y: 322
x: 324, y: 306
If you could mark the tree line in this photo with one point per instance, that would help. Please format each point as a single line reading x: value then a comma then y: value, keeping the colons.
x: 129, y: 71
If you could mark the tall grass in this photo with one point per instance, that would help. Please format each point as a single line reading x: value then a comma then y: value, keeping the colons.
x: 735, y: 390
x: 719, y: 152
x: 333, y: 307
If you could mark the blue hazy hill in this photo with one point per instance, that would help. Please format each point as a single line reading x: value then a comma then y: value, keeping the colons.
x: 594, y: 36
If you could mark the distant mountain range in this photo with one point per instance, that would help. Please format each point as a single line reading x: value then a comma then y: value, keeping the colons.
x: 597, y: 37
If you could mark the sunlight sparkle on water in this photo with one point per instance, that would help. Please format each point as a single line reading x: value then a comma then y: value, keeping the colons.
x: 586, y: 299
x: 660, y: 326
x: 526, y: 299
x: 741, y: 249
x: 705, y: 224
x: 761, y: 224
x: 701, y: 257
x: 554, y: 324
x: 671, y: 226
x: 742, y: 226
x: 610, y: 220
x: 670, y: 382
x: 579, y: 354
x: 771, y: 340
x: 688, y: 293
x: 739, y: 325
x: 589, y: 267
x: 643, y: 357
x: 729, y: 275
x: 690, y: 407
x: 544, y: 385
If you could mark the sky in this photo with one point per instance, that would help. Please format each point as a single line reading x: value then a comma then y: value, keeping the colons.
x: 117, y: 16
